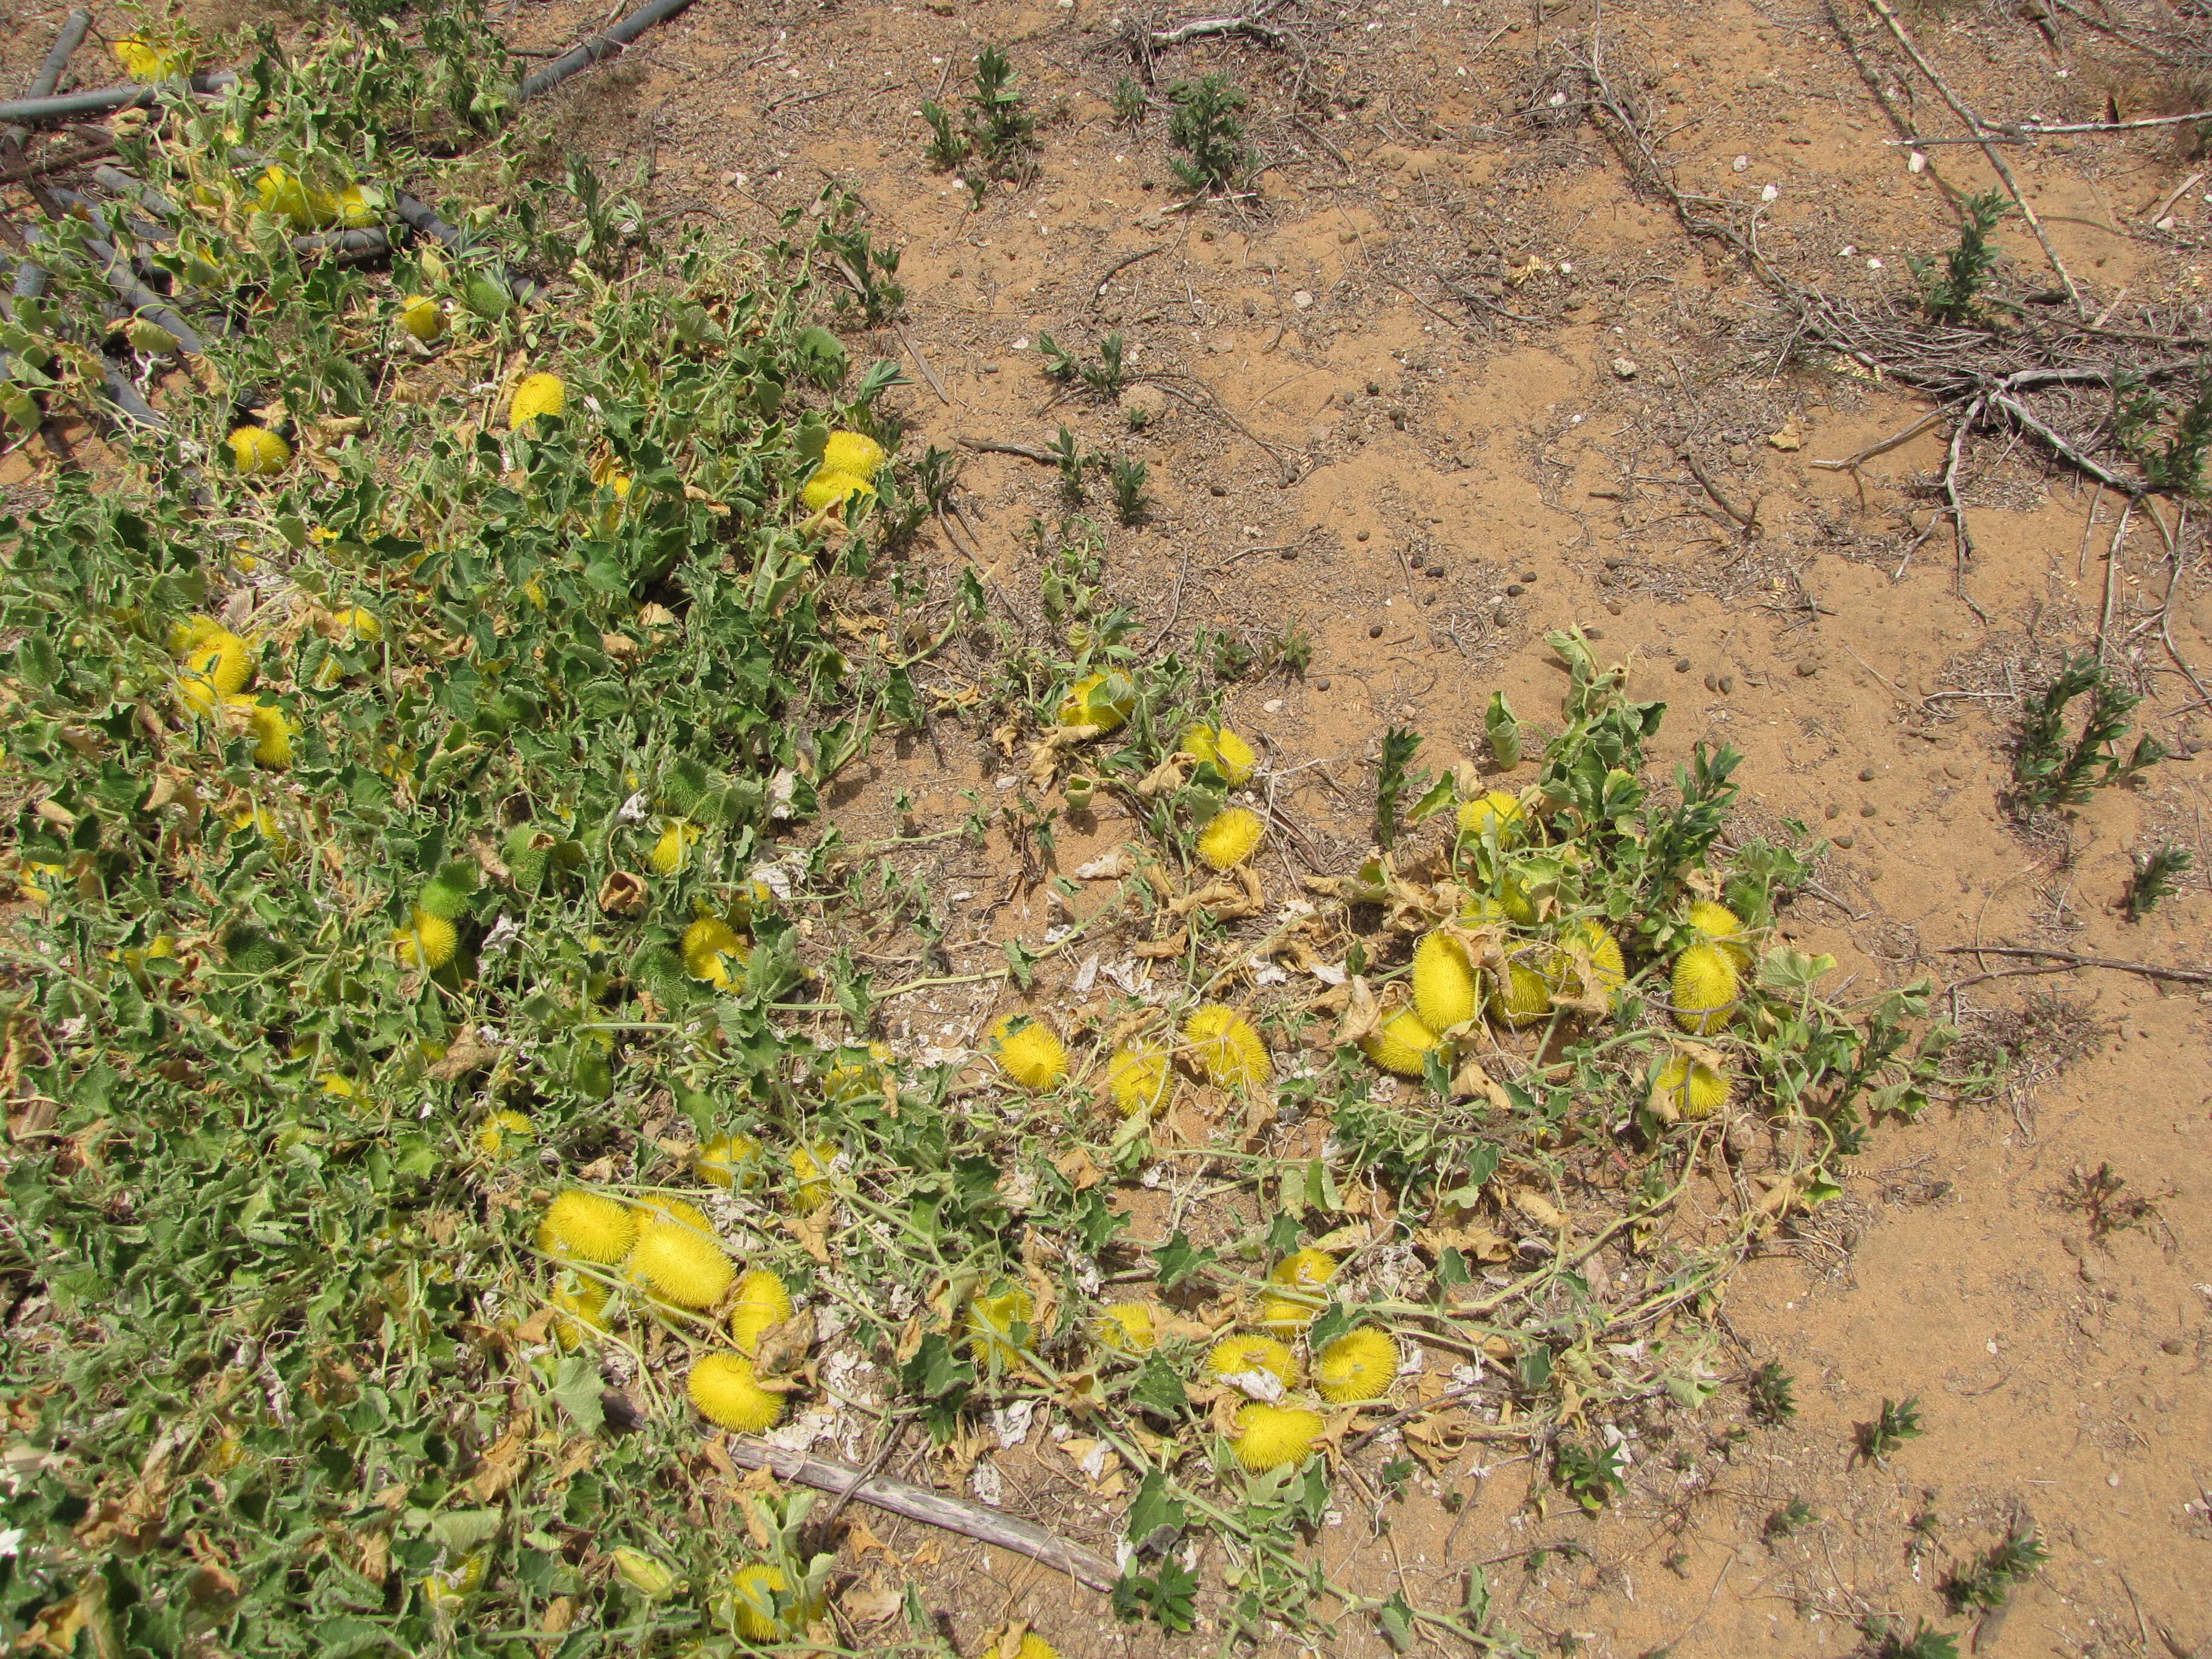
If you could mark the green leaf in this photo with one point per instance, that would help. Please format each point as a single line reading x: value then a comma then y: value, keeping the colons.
x: 1158, y: 1388
x: 1784, y: 968
x: 462, y: 1530
x: 1178, y: 1260
x: 1395, y: 1616
x: 576, y: 1386
x: 1152, y: 1508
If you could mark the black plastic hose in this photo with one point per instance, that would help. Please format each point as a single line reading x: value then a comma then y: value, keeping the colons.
x: 65, y: 48
x: 590, y: 52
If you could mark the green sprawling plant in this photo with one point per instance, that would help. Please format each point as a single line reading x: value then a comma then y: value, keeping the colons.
x: 2053, y: 766
x: 995, y: 137
x: 1204, y: 123
x: 1953, y: 293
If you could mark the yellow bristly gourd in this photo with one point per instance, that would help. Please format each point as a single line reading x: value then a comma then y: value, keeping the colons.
x: 1360, y: 1364
x: 722, y: 1387
x: 591, y: 1226
x: 1705, y: 988
x: 1033, y: 1056
x: 1226, y: 1047
x: 1269, y: 1436
x: 1231, y: 754
x: 1246, y: 1353
x: 1138, y: 1079
x: 1098, y: 703
x: 1522, y: 998
x: 1688, y: 1090
x: 679, y: 1262
x: 1126, y: 1327
x: 1229, y: 837
x: 1400, y: 1045
x: 539, y: 394
x: 854, y: 453
x: 1723, y: 927
x: 1444, y: 991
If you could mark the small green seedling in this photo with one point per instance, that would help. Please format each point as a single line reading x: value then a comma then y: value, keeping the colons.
x: 1898, y: 1422
x: 1790, y: 1519
x: 1987, y: 1584
x: 1773, y: 1398
x: 1206, y: 125
x: 2052, y: 769
x: 1953, y: 294
x: 2157, y: 877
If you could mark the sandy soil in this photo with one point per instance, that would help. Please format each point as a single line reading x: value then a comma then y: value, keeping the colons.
x: 1425, y: 482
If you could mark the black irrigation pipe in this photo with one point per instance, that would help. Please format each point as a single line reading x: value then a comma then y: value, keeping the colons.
x: 590, y: 52
x: 44, y: 112
x: 418, y: 215
x: 65, y: 48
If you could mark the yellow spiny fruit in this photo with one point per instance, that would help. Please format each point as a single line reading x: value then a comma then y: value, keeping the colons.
x: 1607, y: 965
x: 446, y: 1588
x: 849, y: 1080
x: 854, y: 453
x: 422, y: 317
x: 680, y: 1263
x: 1444, y: 991
x: 1305, y: 1270
x: 1269, y: 1436
x: 755, y: 1586
x: 258, y: 453
x: 354, y: 210
x: 262, y: 822
x: 1688, y: 1089
x: 826, y: 490
x: 1230, y: 837
x: 1231, y: 756
x: 38, y: 882
x: 502, y: 1126
x: 1522, y: 998
x: 1098, y: 703
x: 291, y: 198
x: 272, y: 732
x: 193, y: 630
x: 1033, y: 1056
x: 142, y: 62
x: 674, y: 847
x: 763, y: 1300
x: 729, y: 1160
x: 1138, y: 1078
x: 583, y: 1308
x: 427, y: 941
x: 1358, y: 1365
x: 591, y: 1226
x: 1723, y: 927
x: 355, y: 626
x: 811, y: 1165
x: 660, y: 1207
x: 991, y: 1322
x: 539, y: 394
x: 1126, y: 1327
x: 1033, y: 1646
x: 1226, y: 1047
x: 722, y: 1387
x: 216, y: 667
x: 708, y: 946
x: 1496, y: 807
x: 1246, y: 1353
x: 1400, y: 1044
x: 1706, y: 987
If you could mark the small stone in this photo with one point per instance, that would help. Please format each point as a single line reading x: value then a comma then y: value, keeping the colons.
x: 1362, y: 536
x: 1953, y: 769
x: 1866, y: 774
x: 1302, y: 300
x: 1806, y: 668
x: 1712, y: 681
x: 1727, y: 684
x: 1321, y: 685
x: 1288, y: 554
x: 2174, y: 1344
x: 1594, y: 633
x: 1515, y: 589
x: 1272, y: 706
x: 1682, y: 665
x: 1831, y: 810
x: 1625, y: 368
x: 1845, y: 839
x: 1611, y: 608
x: 1435, y: 570
x: 1374, y: 388
x: 1376, y: 632
x: 1867, y: 810
x: 1218, y: 489
x: 1528, y: 575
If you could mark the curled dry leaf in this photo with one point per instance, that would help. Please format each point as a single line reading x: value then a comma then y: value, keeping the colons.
x: 622, y: 894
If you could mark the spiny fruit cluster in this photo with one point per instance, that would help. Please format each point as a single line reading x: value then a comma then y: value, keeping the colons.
x: 665, y: 1252
x: 1511, y: 954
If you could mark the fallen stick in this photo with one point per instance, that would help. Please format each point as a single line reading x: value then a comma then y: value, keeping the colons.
x: 932, y: 1508
x: 993, y: 446
x: 2064, y: 960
